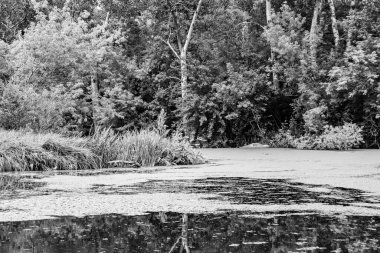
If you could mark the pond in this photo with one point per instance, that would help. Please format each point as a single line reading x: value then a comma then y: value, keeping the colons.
x: 269, y: 200
x: 224, y: 232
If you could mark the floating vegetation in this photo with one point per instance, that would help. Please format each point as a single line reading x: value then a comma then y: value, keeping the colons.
x: 12, y: 183
x: 240, y: 190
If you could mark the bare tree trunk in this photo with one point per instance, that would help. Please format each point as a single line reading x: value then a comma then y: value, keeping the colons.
x: 314, y: 32
x: 182, y: 57
x: 269, y: 21
x: 95, y: 101
x: 334, y: 25
x: 350, y: 28
x: 184, y: 72
x: 184, y: 76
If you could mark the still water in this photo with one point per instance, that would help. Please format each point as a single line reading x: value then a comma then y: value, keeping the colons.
x: 163, y: 232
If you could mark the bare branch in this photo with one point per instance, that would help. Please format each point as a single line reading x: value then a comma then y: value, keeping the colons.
x: 107, y: 18
x: 174, y: 77
x: 170, y: 46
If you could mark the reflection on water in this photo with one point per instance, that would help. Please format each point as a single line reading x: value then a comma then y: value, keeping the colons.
x: 161, y: 232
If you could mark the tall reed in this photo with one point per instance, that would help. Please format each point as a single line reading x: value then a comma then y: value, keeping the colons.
x: 145, y: 147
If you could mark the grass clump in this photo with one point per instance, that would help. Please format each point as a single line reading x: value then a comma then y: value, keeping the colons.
x: 25, y: 151
x: 149, y: 148
x: 145, y: 148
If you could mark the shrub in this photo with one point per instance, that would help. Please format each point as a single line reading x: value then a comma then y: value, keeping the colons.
x: 333, y: 138
x: 283, y: 139
x: 304, y: 142
x: 24, y: 107
x: 342, y: 137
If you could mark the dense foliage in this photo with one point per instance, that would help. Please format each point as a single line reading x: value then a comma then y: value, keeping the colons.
x: 72, y: 66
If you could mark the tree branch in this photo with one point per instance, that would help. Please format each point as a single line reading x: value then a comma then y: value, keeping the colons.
x: 170, y: 46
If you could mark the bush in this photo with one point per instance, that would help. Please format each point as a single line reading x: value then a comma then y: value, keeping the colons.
x: 283, y: 139
x: 342, y: 137
x: 24, y: 107
x: 333, y: 138
x: 305, y: 142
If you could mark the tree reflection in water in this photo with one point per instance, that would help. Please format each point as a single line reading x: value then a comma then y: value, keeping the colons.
x: 173, y: 232
x: 183, y: 238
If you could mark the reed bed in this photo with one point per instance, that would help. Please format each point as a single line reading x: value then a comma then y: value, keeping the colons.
x: 26, y: 151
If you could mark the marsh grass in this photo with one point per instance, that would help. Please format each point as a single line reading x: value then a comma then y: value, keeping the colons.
x: 26, y: 151
x: 104, y: 143
x: 145, y: 147
x: 149, y: 148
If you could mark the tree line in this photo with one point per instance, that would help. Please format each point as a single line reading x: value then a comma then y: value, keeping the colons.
x: 226, y: 72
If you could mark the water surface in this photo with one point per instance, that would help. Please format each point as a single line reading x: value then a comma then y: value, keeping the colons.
x: 226, y: 232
